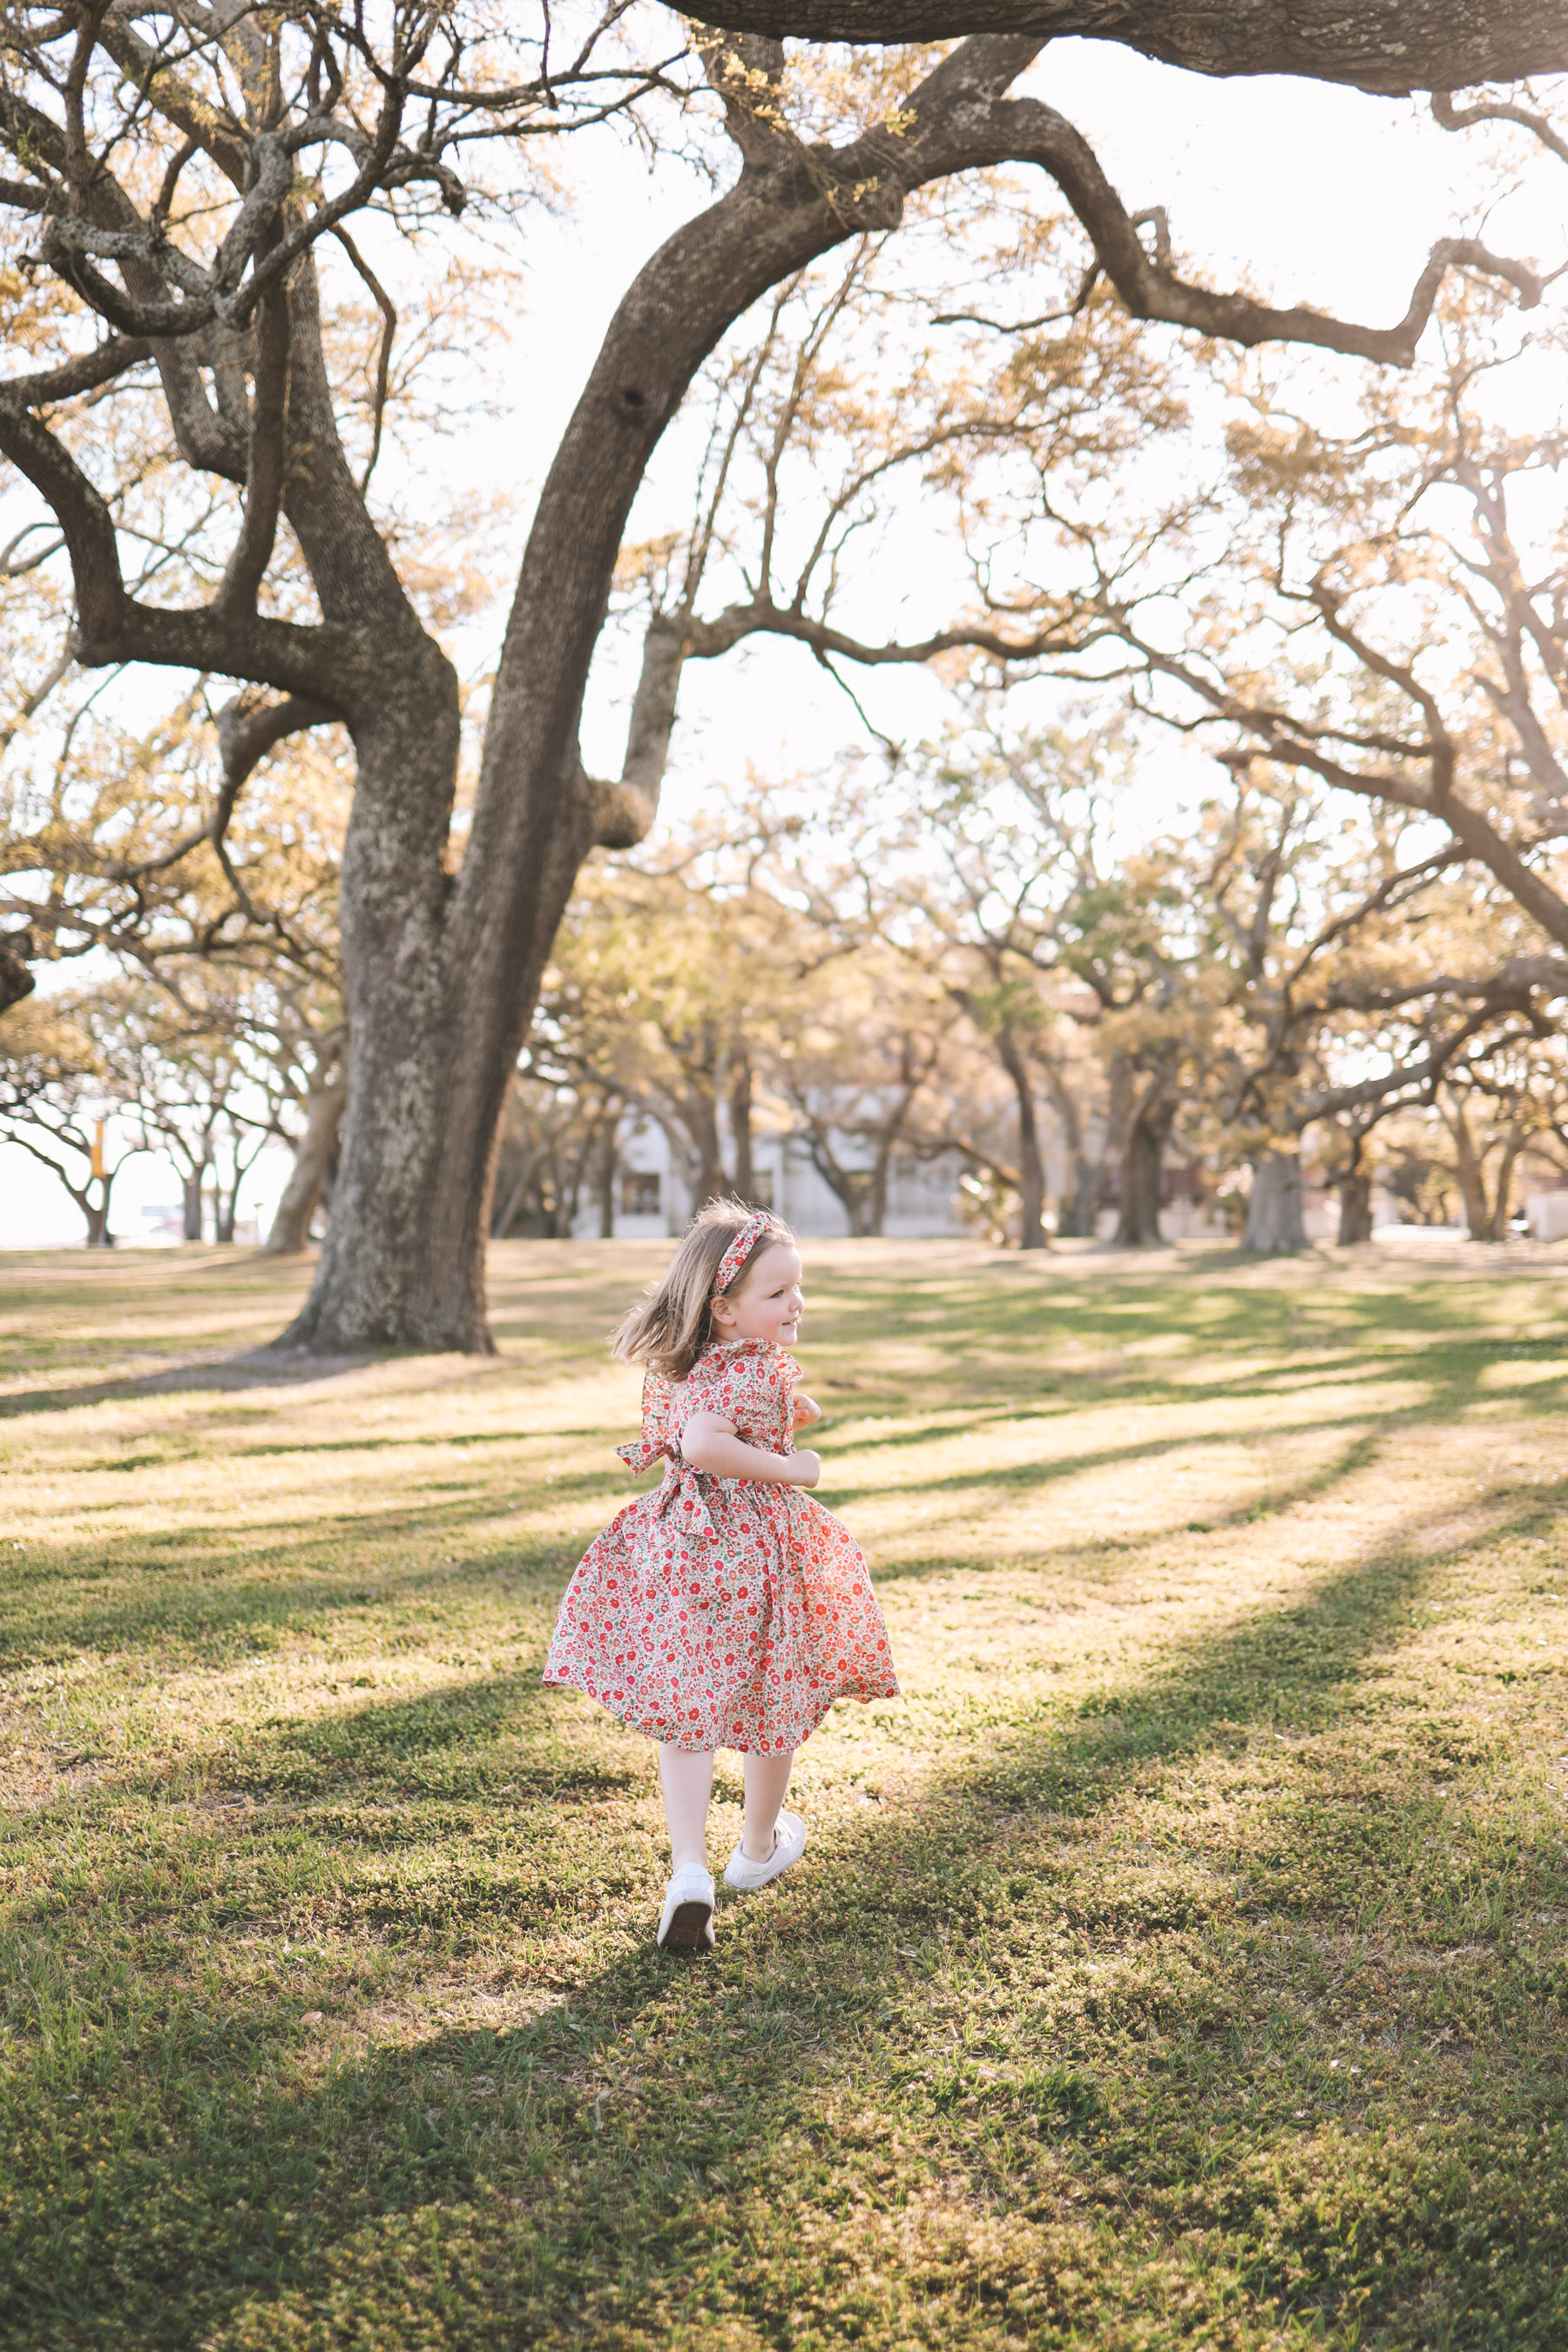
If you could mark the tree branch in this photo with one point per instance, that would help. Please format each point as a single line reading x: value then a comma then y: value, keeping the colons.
x: 1031, y: 133
x: 384, y: 303
x: 110, y: 359
x: 1389, y: 45
x: 84, y: 519
x: 707, y: 639
x: 266, y: 460
x: 1453, y: 118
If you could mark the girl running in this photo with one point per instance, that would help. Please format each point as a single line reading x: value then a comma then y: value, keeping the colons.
x: 726, y: 1609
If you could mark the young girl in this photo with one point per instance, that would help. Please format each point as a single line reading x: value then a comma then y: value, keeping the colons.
x: 727, y: 1609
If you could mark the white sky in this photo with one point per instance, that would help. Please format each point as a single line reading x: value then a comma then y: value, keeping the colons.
x: 1309, y: 193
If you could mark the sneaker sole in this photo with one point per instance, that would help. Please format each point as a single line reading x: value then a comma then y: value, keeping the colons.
x: 689, y: 1931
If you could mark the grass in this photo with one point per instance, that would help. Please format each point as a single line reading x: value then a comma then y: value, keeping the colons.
x: 1179, y: 1962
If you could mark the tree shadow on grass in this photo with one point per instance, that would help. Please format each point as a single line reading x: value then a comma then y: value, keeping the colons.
x: 462, y: 1742
x: 189, y: 1590
x: 214, y: 1612
x: 598, y: 2169
x: 253, y: 1367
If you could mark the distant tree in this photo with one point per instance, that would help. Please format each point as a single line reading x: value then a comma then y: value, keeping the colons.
x: 998, y: 874
x: 673, y: 976
x: 58, y: 1096
x: 558, y: 1141
x: 865, y: 1066
x: 1351, y: 983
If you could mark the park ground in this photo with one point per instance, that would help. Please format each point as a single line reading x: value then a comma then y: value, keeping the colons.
x: 1179, y: 1961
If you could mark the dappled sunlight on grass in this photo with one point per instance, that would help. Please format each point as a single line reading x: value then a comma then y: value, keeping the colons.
x: 1179, y: 1961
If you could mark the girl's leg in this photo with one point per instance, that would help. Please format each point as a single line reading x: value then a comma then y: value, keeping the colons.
x: 687, y: 1785
x: 767, y: 1781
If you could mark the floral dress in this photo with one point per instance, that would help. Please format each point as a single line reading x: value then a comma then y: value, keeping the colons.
x: 722, y: 1612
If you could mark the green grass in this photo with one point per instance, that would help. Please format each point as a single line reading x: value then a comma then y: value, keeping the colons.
x: 1179, y: 1962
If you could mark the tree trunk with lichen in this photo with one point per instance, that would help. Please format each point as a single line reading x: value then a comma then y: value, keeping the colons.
x: 313, y: 1159
x: 1031, y: 1158
x: 1153, y: 1115
x: 1274, y: 1225
x: 1355, y: 1208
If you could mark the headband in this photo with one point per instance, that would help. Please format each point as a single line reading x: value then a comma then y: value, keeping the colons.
x: 741, y: 1249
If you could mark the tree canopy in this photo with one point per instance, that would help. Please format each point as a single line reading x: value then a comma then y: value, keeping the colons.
x: 199, y: 441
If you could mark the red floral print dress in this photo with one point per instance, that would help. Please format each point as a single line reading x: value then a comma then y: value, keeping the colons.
x: 722, y: 1612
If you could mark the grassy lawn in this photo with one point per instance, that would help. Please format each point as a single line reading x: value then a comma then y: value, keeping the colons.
x: 1180, y: 1961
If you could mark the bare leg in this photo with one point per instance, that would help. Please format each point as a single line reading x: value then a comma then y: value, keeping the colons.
x: 687, y: 1785
x: 767, y: 1781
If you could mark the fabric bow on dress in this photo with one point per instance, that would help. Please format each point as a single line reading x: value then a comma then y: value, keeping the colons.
x: 682, y: 1491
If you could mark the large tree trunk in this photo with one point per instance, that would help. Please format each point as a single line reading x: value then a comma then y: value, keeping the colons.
x: 1031, y: 1163
x: 741, y: 1121
x: 1076, y: 1208
x: 97, y: 1214
x: 609, y: 1159
x: 1503, y: 1197
x: 1472, y: 1175
x: 848, y: 1186
x: 1142, y: 1166
x: 877, y: 1181
x: 861, y: 1201
x: 1355, y: 1208
x: 191, y: 1203
x: 1274, y: 1211
x: 317, y: 1149
x: 402, y: 1261
x: 701, y: 1121
x: 1120, y: 1102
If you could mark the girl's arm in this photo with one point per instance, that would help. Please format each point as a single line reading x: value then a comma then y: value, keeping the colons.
x: 708, y: 1443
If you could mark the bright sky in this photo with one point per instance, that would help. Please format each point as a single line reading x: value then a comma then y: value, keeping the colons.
x: 1309, y: 193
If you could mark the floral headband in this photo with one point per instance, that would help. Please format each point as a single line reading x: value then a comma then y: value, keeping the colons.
x: 741, y: 1249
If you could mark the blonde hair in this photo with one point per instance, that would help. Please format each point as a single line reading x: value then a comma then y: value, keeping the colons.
x: 670, y: 1326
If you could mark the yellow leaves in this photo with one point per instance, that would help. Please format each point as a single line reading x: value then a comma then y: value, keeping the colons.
x: 46, y: 1039
x: 647, y: 563
x: 841, y: 91
x: 1270, y: 451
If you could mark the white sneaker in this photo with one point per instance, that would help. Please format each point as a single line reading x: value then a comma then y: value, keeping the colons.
x: 686, y: 1923
x: 789, y: 1844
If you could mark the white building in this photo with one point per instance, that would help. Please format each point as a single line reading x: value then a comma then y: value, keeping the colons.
x: 654, y: 1198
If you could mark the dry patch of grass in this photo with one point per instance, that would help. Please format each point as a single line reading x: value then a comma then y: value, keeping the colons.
x: 1179, y: 1962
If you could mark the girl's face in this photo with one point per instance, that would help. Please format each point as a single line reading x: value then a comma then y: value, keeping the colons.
x: 767, y: 1302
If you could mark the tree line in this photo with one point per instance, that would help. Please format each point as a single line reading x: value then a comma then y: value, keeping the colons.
x: 972, y: 958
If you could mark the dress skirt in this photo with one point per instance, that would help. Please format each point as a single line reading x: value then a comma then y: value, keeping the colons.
x: 722, y: 1612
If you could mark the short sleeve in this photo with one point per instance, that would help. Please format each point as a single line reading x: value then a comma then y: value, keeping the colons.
x: 750, y: 1382
x: 653, y: 1442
